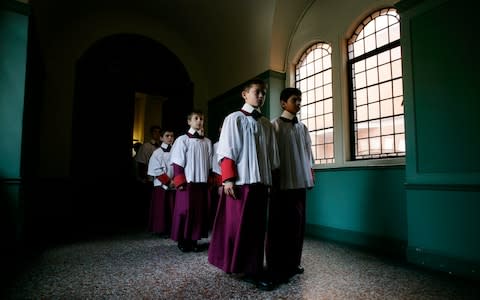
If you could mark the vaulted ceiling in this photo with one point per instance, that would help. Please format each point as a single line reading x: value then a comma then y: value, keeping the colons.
x: 217, y: 31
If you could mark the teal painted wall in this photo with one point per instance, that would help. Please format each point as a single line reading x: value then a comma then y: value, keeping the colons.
x: 13, y: 60
x: 442, y: 107
x: 366, y: 201
x: 13, y: 57
x: 445, y: 223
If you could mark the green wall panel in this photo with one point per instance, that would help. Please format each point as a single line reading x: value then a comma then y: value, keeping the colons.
x: 365, y: 200
x: 445, y: 223
x: 446, y: 89
x: 13, y: 49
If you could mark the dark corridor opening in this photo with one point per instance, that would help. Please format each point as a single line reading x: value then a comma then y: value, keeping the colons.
x: 108, y: 75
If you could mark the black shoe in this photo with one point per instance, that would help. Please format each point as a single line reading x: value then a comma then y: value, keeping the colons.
x: 299, y: 270
x: 249, y: 278
x: 265, y: 285
x: 184, y: 247
x: 200, y: 247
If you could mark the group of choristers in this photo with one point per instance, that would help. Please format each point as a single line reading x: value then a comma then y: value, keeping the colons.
x: 248, y: 191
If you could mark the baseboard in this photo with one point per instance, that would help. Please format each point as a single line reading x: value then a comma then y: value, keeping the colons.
x: 380, y: 245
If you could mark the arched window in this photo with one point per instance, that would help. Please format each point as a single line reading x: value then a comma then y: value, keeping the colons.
x: 376, y: 88
x: 313, y: 76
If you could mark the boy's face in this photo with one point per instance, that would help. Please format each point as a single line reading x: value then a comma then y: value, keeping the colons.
x: 292, y: 105
x: 168, y: 137
x: 196, y: 122
x: 255, y: 95
x: 156, y: 135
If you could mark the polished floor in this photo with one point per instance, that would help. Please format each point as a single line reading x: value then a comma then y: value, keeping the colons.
x: 139, y: 265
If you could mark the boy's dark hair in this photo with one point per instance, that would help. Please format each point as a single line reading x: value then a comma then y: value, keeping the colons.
x: 253, y: 81
x: 195, y: 112
x: 152, y: 128
x: 288, y: 92
x: 163, y: 131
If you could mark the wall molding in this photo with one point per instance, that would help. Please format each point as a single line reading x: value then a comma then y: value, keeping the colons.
x: 444, y: 187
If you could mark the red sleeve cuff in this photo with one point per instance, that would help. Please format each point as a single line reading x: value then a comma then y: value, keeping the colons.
x: 229, y: 170
x: 164, y: 179
x: 179, y: 180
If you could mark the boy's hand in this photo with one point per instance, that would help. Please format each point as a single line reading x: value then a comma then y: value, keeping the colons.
x: 229, y: 189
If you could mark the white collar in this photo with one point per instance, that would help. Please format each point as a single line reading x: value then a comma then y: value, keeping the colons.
x: 248, y: 108
x: 288, y: 115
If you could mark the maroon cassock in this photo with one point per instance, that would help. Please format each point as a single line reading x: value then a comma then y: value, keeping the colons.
x: 286, y: 230
x: 161, y: 211
x: 190, y: 217
x: 238, y: 235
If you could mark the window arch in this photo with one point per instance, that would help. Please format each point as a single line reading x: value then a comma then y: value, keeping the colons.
x: 376, y: 87
x: 313, y: 76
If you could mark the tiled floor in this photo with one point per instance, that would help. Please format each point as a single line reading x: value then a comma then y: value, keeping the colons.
x: 142, y: 266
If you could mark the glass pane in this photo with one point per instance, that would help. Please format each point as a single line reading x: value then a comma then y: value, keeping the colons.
x: 397, y: 87
x: 327, y: 91
x: 311, y: 123
x: 397, y: 68
x: 320, y: 121
x: 399, y: 124
x: 329, y: 120
x: 373, y: 94
x: 387, y: 127
x: 310, y: 96
x: 303, y: 85
x: 362, y: 113
x: 327, y: 76
x: 388, y: 144
x: 303, y: 72
x: 400, y: 143
x: 329, y: 136
x: 371, y: 62
x: 398, y: 105
x: 386, y: 90
x: 394, y: 32
x: 372, y: 76
x: 328, y: 105
x: 327, y: 62
x: 363, y: 148
x: 319, y: 107
x: 362, y: 130
x: 309, y: 58
x: 318, y: 79
x: 383, y: 57
x: 310, y: 83
x: 310, y: 69
x: 358, y: 48
x: 369, y: 28
x: 375, y: 146
x: 370, y: 43
x: 310, y: 110
x: 374, y: 128
x: 382, y: 37
x: 385, y: 72
x: 373, y: 110
x: 361, y: 96
x: 329, y: 150
x: 396, y: 53
x: 318, y: 93
x: 320, y: 152
x: 359, y: 66
x: 318, y: 65
x: 381, y: 22
x: 360, y: 80
x: 386, y: 108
